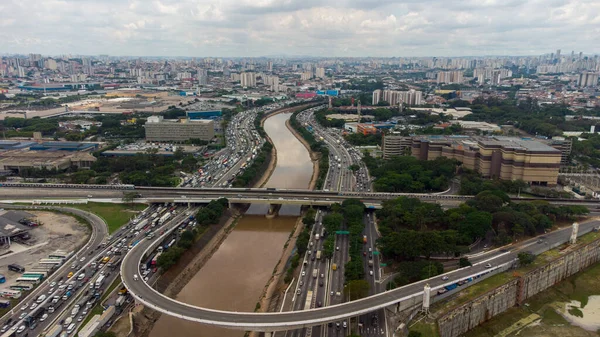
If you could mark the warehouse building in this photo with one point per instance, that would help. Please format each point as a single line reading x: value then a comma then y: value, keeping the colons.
x: 507, y: 158
x: 181, y: 130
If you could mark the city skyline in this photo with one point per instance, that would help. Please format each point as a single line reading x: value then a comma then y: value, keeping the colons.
x: 300, y: 28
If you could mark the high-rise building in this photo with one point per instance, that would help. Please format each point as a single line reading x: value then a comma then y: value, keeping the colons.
x: 394, y: 98
x: 269, y: 66
x: 450, y: 77
x: 202, y: 79
x: 248, y: 80
x: 320, y: 72
x: 587, y: 79
x: 21, y: 71
x: 305, y: 76
x: 51, y: 64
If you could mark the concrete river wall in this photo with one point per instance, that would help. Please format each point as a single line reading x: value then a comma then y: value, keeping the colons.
x: 465, y: 317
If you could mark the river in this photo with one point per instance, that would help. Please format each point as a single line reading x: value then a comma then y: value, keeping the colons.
x: 234, y: 277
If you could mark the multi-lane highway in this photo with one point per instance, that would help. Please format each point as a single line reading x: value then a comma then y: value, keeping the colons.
x: 23, y: 315
x: 305, y: 318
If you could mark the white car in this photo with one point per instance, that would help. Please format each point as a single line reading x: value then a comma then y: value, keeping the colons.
x: 444, y: 278
x: 21, y: 329
x: 489, y: 265
x: 82, y: 259
x: 33, y: 306
x: 43, y: 318
x: 53, y: 284
x: 303, y: 273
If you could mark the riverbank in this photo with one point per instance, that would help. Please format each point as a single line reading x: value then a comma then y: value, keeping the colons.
x: 171, y: 282
x: 314, y: 157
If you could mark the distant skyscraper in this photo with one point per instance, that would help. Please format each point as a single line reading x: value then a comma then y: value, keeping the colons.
x: 269, y: 66
x: 320, y: 72
x: 558, y: 54
x: 248, y: 79
x: 394, y: 98
x: 202, y: 80
x: 21, y: 71
x: 450, y: 77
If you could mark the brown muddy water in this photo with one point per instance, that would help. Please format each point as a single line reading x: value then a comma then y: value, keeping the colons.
x: 236, y: 274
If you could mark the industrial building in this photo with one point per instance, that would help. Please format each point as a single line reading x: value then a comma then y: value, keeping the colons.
x: 181, y: 130
x: 18, y: 155
x: 507, y: 158
x: 10, y: 228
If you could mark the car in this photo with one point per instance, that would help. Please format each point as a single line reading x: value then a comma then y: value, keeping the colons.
x: 50, y: 291
x: 337, y: 248
x: 33, y: 306
x: 22, y: 315
x: 53, y: 284
x: 330, y: 324
x: 21, y: 329
x: 82, y: 259
x: 488, y: 265
x: 319, y: 304
x: 301, y: 283
x: 24, y: 307
x: 345, y: 324
x: 43, y: 318
x: 303, y: 273
x: 4, y: 328
x: 332, y: 293
x: 444, y: 278
x: 80, y: 318
x: 298, y: 292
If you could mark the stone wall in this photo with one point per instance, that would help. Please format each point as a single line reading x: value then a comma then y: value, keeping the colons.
x: 465, y: 317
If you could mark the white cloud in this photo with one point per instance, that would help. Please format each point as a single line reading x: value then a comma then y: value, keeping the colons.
x: 299, y: 27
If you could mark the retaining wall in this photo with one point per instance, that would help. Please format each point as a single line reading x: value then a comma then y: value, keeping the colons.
x: 465, y: 317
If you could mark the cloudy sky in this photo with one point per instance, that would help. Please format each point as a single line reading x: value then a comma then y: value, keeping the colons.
x: 299, y: 27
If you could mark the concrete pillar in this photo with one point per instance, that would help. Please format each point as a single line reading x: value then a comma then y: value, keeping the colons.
x: 574, y: 233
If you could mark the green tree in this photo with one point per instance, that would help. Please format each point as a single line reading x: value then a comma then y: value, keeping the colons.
x: 413, y: 333
x: 464, y: 262
x: 129, y: 197
x: 526, y: 258
x: 356, y: 289
x: 105, y: 334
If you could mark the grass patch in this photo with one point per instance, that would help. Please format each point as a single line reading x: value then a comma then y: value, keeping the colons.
x: 115, y: 215
x: 575, y: 312
x: 96, y: 310
x: 112, y: 287
x: 428, y: 329
x: 478, y: 289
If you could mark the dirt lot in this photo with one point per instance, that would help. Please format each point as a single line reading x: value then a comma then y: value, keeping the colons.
x: 57, y: 232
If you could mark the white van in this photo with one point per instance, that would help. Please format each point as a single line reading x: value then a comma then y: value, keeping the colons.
x: 71, y: 328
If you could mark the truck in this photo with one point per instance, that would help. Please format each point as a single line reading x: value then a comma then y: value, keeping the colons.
x: 318, y: 255
x: 315, y: 272
x: 364, y: 239
x: 154, y: 215
x: 170, y: 244
x: 120, y: 300
x: 164, y: 218
x: 99, y: 281
x: 55, y: 331
x: 141, y: 225
x: 155, y: 258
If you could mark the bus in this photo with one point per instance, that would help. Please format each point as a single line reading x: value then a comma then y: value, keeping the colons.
x: 4, y: 304
x: 21, y: 286
x: 7, y: 293
x: 30, y: 280
x: 41, y: 274
x: 51, y: 262
x: 308, y: 302
x: 59, y: 254
x: 16, y: 268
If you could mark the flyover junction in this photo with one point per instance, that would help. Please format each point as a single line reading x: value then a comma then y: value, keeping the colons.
x: 406, y: 297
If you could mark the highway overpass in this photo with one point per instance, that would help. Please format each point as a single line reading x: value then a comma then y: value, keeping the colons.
x: 236, y: 195
x: 409, y: 296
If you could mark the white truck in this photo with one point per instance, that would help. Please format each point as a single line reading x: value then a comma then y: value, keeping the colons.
x: 164, y: 218
x: 99, y: 281
x: 141, y: 225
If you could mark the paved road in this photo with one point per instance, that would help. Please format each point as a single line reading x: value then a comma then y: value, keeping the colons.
x: 99, y: 234
x: 286, y: 320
